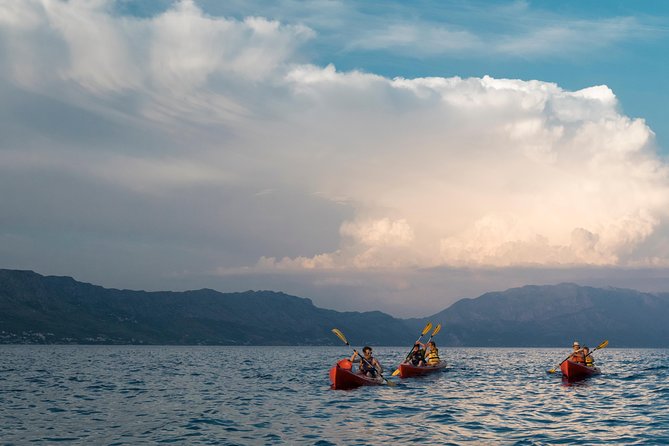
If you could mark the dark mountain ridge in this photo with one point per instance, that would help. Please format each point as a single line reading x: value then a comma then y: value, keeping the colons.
x: 50, y: 309
x: 541, y: 315
x: 35, y: 308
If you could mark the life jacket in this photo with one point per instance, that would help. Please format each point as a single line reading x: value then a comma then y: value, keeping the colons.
x: 433, y: 357
x: 417, y: 356
x: 589, y: 361
x: 366, y: 365
x: 578, y: 357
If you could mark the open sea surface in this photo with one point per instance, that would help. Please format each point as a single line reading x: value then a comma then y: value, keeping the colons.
x: 129, y: 395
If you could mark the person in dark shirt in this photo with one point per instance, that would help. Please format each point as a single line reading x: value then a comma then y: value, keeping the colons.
x: 368, y: 365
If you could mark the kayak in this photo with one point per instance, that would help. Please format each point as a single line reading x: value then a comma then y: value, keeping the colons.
x: 408, y: 370
x: 574, y: 370
x: 342, y: 376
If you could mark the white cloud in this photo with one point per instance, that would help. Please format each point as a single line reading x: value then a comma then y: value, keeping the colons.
x: 431, y: 171
x: 183, y: 63
x: 417, y: 39
x: 544, y: 35
x: 517, y: 30
x: 495, y: 172
x: 381, y: 232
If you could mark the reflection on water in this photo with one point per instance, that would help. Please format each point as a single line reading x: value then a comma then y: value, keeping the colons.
x: 280, y: 395
x: 576, y: 382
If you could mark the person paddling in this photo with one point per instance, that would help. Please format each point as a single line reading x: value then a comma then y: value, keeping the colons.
x: 589, y: 361
x: 417, y: 355
x: 432, y: 354
x: 368, y: 366
x: 577, y: 355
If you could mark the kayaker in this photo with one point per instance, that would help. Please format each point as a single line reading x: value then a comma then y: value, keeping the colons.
x: 589, y: 361
x: 368, y: 366
x: 577, y: 355
x: 417, y: 355
x: 432, y: 354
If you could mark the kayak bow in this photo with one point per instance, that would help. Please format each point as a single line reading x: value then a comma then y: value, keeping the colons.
x: 342, y: 376
x: 574, y: 370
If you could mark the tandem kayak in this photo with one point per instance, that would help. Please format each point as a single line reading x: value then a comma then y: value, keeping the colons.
x: 574, y: 370
x: 408, y: 370
x: 342, y: 376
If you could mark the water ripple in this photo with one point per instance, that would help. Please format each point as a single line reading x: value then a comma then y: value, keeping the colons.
x: 196, y: 395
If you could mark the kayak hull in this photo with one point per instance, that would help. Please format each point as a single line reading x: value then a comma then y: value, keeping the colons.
x: 573, y: 370
x: 343, y: 377
x: 408, y: 370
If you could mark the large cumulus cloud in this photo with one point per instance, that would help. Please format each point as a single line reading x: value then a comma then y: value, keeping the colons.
x: 484, y: 171
x: 215, y: 141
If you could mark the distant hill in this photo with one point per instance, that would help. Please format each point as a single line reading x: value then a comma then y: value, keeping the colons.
x: 48, y: 309
x: 39, y: 309
x: 556, y: 315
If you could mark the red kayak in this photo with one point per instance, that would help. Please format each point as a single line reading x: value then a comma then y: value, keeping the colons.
x: 408, y: 370
x: 342, y: 376
x: 574, y: 370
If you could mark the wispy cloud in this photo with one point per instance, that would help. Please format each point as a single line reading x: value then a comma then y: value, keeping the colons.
x: 472, y: 29
x: 526, y: 33
x: 419, y: 39
x: 207, y: 143
x: 567, y: 37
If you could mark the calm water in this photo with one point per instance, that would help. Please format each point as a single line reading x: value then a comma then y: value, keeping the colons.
x: 267, y: 395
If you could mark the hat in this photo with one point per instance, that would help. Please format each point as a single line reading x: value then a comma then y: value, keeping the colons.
x: 576, y: 343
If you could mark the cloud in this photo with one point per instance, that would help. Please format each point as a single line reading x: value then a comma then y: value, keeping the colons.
x: 418, y: 39
x: 490, y: 171
x: 214, y: 145
x: 183, y: 63
x: 517, y: 29
x: 379, y: 232
x: 554, y: 36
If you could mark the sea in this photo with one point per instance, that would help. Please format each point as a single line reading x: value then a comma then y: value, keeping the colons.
x: 132, y: 395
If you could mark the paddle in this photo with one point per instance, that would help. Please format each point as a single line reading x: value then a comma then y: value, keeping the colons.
x: 434, y: 332
x: 602, y: 345
x: 422, y: 333
x: 341, y: 336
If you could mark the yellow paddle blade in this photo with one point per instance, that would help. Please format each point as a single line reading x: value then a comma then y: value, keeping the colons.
x: 436, y: 330
x: 426, y: 329
x: 340, y: 335
x: 602, y: 345
x: 396, y: 372
x: 551, y: 371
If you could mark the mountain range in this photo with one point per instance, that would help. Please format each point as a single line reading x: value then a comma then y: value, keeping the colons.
x: 56, y: 310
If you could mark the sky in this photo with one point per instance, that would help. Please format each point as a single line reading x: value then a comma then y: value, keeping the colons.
x: 368, y: 155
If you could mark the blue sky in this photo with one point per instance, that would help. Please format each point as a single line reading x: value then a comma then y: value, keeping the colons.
x: 368, y: 155
x: 621, y: 44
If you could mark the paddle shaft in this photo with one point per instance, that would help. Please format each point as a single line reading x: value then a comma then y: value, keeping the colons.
x: 341, y: 336
x: 417, y: 341
x: 593, y: 351
x: 570, y: 355
x: 422, y: 333
x: 602, y: 345
x: 362, y: 357
x: 580, y: 350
